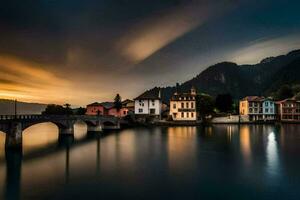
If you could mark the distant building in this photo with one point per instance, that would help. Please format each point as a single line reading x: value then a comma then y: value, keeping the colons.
x: 289, y: 110
x: 148, y: 104
x: 95, y: 109
x: 183, y: 106
x: 256, y: 108
x: 108, y: 108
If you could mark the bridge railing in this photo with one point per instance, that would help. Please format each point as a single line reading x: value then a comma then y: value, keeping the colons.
x: 46, y: 117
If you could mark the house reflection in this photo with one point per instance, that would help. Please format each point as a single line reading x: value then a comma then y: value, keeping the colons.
x: 181, y: 147
x: 245, y: 144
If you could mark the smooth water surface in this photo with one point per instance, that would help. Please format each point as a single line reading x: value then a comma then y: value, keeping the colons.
x: 216, y: 162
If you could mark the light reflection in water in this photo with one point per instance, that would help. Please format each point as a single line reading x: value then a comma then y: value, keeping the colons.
x: 272, y: 155
x: 39, y: 136
x: 142, y: 158
x: 182, y: 148
x: 245, y: 144
x: 2, y: 145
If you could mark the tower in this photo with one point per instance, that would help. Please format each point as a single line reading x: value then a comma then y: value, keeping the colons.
x: 193, y: 91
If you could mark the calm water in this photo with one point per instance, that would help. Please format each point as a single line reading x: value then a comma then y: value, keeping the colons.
x: 217, y: 162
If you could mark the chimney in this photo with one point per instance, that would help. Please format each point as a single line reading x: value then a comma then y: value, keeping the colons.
x: 177, y: 88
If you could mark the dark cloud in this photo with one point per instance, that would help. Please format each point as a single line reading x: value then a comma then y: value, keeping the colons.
x: 106, y: 46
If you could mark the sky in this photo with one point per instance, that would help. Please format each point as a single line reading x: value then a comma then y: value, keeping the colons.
x: 59, y: 51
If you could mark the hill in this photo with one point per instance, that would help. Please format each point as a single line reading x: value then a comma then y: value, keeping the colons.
x: 7, y: 107
x: 243, y: 80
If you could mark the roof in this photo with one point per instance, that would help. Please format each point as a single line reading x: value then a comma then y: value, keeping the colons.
x: 127, y: 101
x: 177, y: 96
x: 107, y: 105
x: 253, y: 98
x: 94, y: 104
x: 289, y: 99
x: 149, y: 94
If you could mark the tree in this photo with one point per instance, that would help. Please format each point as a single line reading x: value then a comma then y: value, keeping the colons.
x: 224, y: 102
x: 81, y: 111
x: 68, y: 109
x: 284, y: 92
x: 118, y: 102
x: 204, y: 105
x: 297, y: 96
x: 296, y: 89
x: 53, y: 109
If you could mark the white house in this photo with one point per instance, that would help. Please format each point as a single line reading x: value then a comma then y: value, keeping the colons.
x: 148, y: 104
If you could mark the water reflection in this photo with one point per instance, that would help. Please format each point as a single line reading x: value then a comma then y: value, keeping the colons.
x: 155, y: 162
x: 272, y: 156
x: 38, y: 136
x: 182, y: 146
x: 245, y: 144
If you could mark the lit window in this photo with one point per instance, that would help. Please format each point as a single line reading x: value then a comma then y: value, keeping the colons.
x: 174, y: 105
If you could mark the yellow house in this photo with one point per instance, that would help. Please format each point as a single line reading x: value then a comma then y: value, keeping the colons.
x: 183, y: 106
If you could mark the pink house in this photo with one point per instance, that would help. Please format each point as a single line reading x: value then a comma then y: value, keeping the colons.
x: 107, y: 108
x: 95, y: 109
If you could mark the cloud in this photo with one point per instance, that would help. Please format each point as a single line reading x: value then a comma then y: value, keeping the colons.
x: 154, y: 33
x: 30, y: 81
x: 265, y: 47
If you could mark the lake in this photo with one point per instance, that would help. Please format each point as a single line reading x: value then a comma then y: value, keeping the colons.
x: 214, y: 162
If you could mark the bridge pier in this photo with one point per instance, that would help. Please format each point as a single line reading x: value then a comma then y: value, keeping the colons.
x: 94, y: 128
x: 110, y: 126
x: 67, y: 128
x: 13, y: 138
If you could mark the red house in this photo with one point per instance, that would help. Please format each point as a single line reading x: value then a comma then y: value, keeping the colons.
x: 107, y: 108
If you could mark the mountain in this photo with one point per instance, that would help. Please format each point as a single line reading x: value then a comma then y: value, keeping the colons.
x: 243, y: 80
x: 7, y: 107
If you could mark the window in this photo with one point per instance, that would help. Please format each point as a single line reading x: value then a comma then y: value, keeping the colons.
x: 192, y: 104
x: 192, y: 114
x: 182, y: 115
x: 187, y: 104
x: 152, y: 111
x: 182, y: 105
x: 124, y: 112
x: 187, y: 115
x: 153, y: 102
x: 250, y: 110
x: 174, y: 115
x: 140, y: 110
x: 174, y: 105
x: 266, y: 110
x: 271, y: 110
x: 267, y: 103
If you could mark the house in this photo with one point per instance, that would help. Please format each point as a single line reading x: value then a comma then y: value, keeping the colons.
x: 95, y: 109
x: 148, y: 104
x: 255, y: 108
x: 289, y: 110
x: 183, y: 106
x: 108, y: 109
x: 128, y: 106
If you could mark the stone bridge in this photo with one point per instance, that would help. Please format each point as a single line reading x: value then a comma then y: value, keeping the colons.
x: 14, y: 125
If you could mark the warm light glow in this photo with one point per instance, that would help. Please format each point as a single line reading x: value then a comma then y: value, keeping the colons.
x: 245, y: 143
x: 151, y: 35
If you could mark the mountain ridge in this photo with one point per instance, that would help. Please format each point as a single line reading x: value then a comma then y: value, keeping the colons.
x: 243, y: 80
